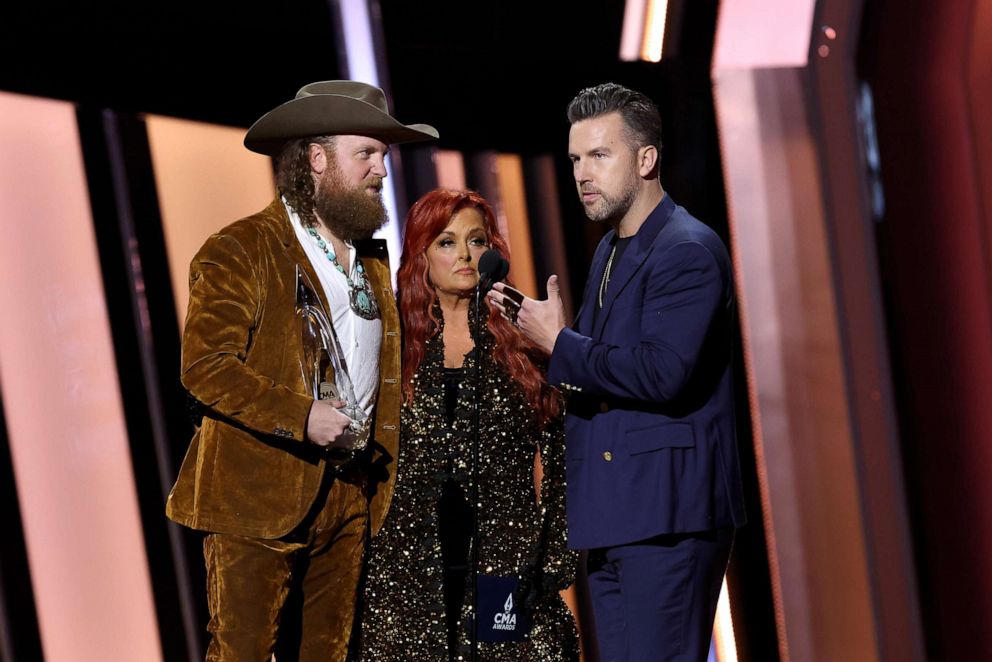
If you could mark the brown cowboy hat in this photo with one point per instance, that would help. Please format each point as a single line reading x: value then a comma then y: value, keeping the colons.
x: 332, y: 107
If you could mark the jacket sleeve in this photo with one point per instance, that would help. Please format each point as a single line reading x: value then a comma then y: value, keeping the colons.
x: 685, y: 290
x: 225, y: 299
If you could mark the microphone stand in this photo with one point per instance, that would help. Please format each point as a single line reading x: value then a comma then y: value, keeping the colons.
x: 474, y: 651
x: 492, y: 268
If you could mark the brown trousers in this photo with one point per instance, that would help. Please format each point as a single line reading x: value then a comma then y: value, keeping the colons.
x: 294, y: 596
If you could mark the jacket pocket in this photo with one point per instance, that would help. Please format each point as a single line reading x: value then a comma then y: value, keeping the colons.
x: 656, y: 437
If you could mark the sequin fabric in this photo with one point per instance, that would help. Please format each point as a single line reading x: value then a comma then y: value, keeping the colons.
x: 403, y: 617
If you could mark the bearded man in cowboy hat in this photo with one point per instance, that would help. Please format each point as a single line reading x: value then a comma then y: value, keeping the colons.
x: 287, y: 486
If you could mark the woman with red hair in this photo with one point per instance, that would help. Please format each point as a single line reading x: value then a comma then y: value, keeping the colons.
x: 419, y: 579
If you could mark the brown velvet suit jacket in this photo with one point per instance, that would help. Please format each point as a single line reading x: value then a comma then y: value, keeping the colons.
x: 249, y: 469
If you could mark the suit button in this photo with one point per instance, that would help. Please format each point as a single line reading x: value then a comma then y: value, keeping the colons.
x: 608, y: 456
x: 603, y: 407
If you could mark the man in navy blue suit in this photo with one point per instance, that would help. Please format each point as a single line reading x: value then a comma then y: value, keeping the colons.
x: 654, y: 487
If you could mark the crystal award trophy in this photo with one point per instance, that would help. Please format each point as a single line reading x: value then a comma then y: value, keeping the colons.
x: 321, y: 352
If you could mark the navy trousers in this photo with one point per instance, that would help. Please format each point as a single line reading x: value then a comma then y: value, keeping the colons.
x: 655, y: 600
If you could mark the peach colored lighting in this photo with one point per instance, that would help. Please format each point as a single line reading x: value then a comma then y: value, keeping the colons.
x: 654, y: 30
x: 643, y: 35
x: 723, y: 629
x: 633, y: 30
x: 513, y: 209
x: 62, y: 403
x: 450, y: 168
x: 763, y: 33
x: 205, y: 179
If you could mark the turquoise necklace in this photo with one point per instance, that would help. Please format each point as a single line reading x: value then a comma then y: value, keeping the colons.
x: 361, y: 296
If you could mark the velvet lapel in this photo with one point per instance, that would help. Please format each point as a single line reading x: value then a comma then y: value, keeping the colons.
x: 632, y: 259
x: 276, y: 214
x: 583, y: 319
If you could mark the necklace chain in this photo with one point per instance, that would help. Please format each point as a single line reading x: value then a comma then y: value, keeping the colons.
x: 606, y: 275
x: 361, y: 296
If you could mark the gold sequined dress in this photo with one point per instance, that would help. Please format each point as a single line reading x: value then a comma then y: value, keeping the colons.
x: 404, y: 615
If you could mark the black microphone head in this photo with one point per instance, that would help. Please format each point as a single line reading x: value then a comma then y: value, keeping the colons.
x: 492, y: 269
x: 492, y: 265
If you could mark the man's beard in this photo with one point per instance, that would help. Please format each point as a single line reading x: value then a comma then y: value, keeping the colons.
x: 612, y: 208
x: 350, y: 213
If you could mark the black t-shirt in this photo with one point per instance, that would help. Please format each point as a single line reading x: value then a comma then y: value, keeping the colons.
x: 620, y: 245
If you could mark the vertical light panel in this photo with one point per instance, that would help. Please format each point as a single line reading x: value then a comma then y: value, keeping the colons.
x: 763, y: 33
x: 826, y: 439
x: 513, y: 207
x: 725, y: 643
x: 633, y: 30
x: 450, y: 168
x: 979, y: 91
x: 62, y: 401
x: 654, y: 30
x: 548, y: 231
x: 356, y: 29
x: 643, y: 36
x: 793, y: 349
x: 205, y: 180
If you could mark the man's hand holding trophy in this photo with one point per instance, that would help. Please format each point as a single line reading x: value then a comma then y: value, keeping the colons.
x: 337, y: 420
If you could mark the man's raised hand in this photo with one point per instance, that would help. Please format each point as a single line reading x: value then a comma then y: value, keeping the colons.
x: 541, y: 321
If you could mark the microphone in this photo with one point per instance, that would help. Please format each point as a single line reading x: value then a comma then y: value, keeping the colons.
x: 492, y: 269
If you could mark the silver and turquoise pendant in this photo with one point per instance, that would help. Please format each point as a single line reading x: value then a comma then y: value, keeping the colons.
x: 362, y: 298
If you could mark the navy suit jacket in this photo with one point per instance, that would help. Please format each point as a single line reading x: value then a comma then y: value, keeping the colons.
x: 649, y: 429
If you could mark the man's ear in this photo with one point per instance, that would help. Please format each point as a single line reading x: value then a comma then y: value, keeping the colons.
x: 647, y: 161
x: 318, y: 159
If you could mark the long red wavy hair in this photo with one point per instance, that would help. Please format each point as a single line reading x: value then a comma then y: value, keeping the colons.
x: 428, y: 217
